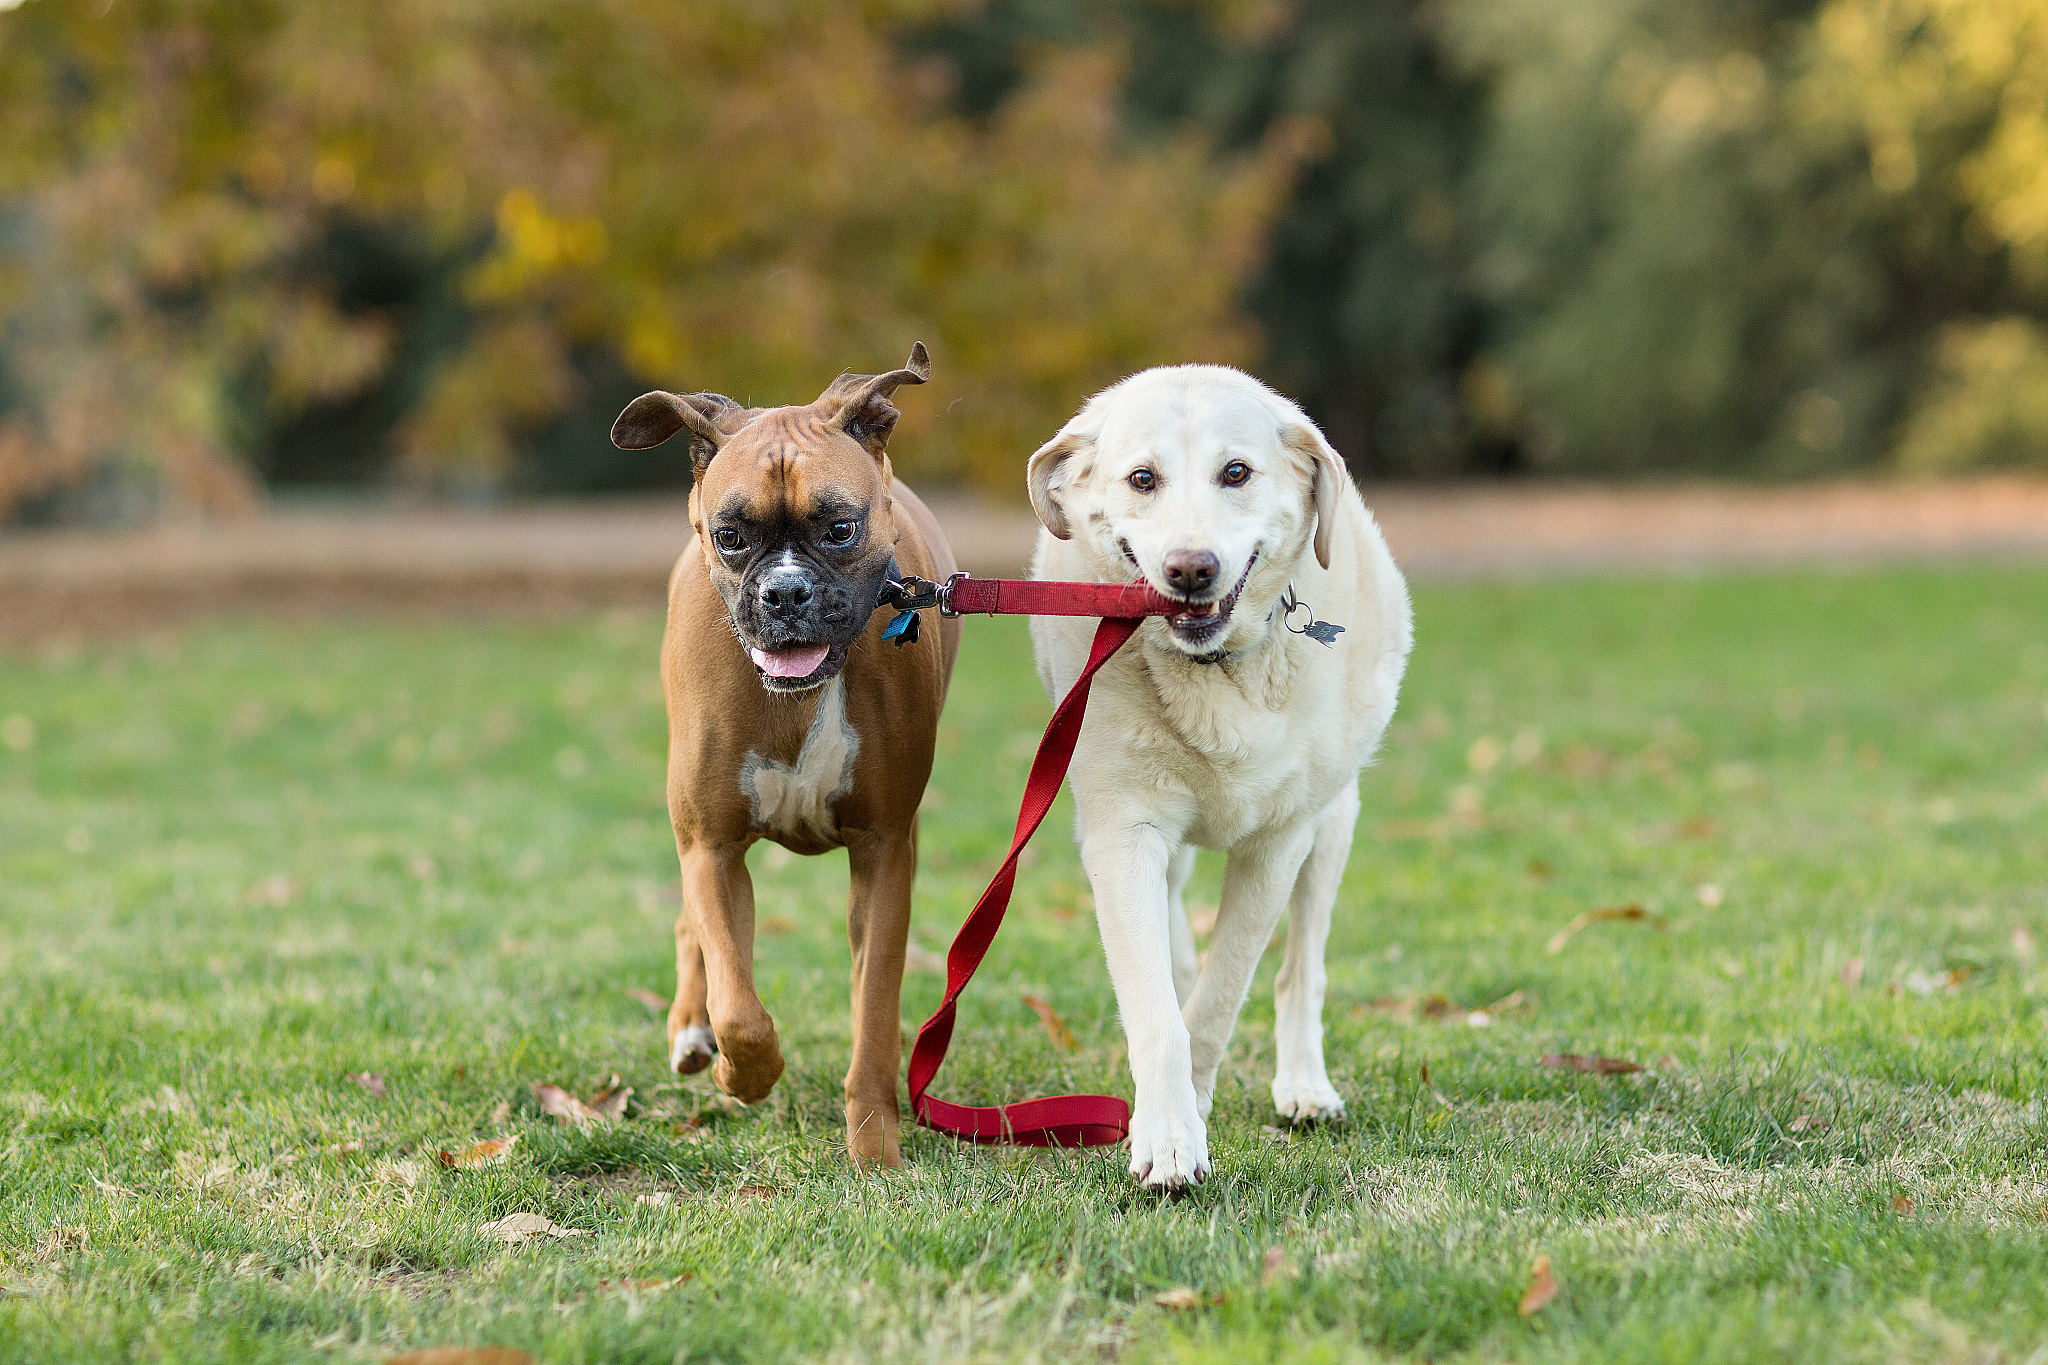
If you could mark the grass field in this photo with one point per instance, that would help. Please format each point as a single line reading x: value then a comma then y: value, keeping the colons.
x: 242, y: 864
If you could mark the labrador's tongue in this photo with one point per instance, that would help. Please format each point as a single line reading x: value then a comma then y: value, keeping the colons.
x: 789, y: 663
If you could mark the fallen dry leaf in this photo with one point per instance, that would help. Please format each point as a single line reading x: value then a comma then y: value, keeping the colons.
x: 609, y: 1103
x: 1596, y: 1066
x: 522, y: 1227
x: 479, y: 1154
x: 918, y: 958
x: 1055, y: 1027
x: 1276, y: 1268
x: 1902, y: 1206
x: 1543, y: 1287
x: 558, y: 1103
x: 1180, y: 1298
x: 648, y: 998
x: 464, y: 1355
x: 660, y: 1199
x: 277, y: 890
x: 1513, y: 1000
x: 764, y: 1193
x: 1807, y: 1123
x: 1634, y: 914
x: 371, y: 1083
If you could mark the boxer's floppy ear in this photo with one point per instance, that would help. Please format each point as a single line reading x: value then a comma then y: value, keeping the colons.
x: 652, y: 418
x: 864, y: 411
x: 1046, y: 471
x: 1301, y: 435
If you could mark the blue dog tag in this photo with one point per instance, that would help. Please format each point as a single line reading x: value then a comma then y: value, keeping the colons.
x: 903, y: 629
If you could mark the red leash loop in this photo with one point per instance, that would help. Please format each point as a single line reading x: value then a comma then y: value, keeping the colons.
x: 1057, y: 1120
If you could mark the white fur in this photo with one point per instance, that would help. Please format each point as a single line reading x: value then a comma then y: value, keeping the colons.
x: 1258, y: 755
x: 695, y: 1038
x: 797, y: 798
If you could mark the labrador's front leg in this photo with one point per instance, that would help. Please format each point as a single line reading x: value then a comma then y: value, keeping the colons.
x: 1255, y: 885
x: 1127, y: 865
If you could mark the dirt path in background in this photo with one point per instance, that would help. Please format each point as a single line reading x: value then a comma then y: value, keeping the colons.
x: 549, y: 558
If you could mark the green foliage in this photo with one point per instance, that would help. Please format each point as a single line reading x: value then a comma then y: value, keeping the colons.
x: 244, y: 862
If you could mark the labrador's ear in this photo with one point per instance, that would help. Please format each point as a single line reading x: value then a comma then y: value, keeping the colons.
x: 1047, y: 474
x: 860, y: 402
x: 1302, y: 436
x: 652, y: 418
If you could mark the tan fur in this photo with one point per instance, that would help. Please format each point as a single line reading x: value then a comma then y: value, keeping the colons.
x: 747, y: 764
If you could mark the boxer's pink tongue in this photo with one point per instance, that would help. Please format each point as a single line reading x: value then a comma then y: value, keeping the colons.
x: 789, y: 663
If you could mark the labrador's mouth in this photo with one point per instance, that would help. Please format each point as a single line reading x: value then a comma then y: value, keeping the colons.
x: 1202, y: 623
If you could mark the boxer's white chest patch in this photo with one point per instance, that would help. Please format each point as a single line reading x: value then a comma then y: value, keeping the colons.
x: 796, y: 798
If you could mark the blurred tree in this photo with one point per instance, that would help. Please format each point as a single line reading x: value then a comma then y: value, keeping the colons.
x: 235, y: 225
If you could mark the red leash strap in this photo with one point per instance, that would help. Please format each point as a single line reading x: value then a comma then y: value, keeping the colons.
x: 1058, y: 1120
x: 968, y: 596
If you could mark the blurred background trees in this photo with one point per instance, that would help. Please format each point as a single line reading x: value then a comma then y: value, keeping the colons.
x: 263, y: 243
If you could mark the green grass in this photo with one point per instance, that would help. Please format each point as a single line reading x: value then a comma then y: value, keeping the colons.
x: 240, y: 863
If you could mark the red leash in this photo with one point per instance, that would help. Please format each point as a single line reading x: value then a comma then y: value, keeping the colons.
x: 1056, y: 1120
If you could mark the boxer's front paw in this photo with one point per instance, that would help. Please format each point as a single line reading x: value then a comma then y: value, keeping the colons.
x: 749, y: 1062
x: 873, y: 1135
x: 1169, y: 1146
x: 691, y: 1049
x: 1307, y: 1099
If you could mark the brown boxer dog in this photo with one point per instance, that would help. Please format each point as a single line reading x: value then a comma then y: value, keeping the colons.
x: 789, y: 717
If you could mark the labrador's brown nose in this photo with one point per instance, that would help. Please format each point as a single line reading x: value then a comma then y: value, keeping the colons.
x: 1189, y: 572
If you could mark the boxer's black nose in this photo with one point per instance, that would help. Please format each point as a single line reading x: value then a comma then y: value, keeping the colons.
x: 785, y: 594
x: 1191, y: 571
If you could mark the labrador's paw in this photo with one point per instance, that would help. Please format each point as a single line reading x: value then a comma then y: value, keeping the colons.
x: 1307, y: 1099
x: 692, y: 1049
x: 1169, y: 1152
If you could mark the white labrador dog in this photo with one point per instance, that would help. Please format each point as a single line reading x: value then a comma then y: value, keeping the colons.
x: 1223, y: 728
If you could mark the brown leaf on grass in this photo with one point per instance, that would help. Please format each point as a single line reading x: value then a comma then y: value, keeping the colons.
x: 278, y: 890
x: 1595, y: 1066
x: 609, y: 1104
x: 1277, y: 1268
x: 1807, y: 1123
x: 463, y: 1355
x: 524, y: 1227
x: 1902, y: 1206
x: 1633, y: 914
x: 1543, y: 1287
x: 479, y: 1154
x: 1513, y: 1000
x: 1181, y: 1298
x: 764, y: 1193
x: 648, y: 998
x: 918, y: 958
x: 1055, y: 1027
x: 372, y: 1084
x: 558, y: 1103
x: 660, y: 1199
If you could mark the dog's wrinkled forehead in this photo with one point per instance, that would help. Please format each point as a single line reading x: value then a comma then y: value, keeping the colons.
x: 789, y: 463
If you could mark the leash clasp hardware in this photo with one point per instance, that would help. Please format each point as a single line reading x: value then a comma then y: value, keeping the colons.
x: 910, y: 595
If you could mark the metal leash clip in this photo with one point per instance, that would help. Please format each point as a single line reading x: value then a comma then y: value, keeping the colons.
x: 909, y: 595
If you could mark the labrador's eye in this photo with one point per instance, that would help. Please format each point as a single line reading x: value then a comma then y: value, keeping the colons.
x: 728, y: 540
x: 1144, y: 480
x: 841, y: 532
x: 1235, y: 473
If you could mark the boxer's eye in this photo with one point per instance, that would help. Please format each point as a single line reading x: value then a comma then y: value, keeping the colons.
x: 1144, y: 480
x: 841, y: 532
x: 728, y: 540
x: 1235, y: 473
